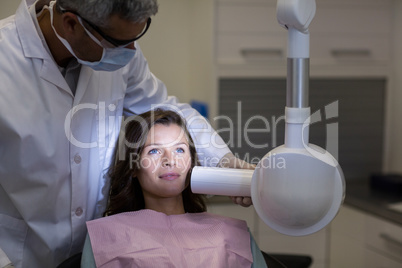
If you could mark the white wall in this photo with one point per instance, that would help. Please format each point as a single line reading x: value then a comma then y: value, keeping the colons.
x: 179, y: 49
x: 8, y: 7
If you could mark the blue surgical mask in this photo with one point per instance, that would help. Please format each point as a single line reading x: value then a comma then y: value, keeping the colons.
x: 112, y: 58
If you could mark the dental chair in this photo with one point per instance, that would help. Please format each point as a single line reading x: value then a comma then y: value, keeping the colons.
x: 272, y: 261
x: 72, y: 262
x: 287, y: 260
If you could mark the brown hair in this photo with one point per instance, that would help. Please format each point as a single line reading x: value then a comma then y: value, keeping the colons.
x: 125, y: 190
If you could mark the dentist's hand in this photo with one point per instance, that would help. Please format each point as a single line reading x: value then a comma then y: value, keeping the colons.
x: 243, y: 201
x: 230, y: 161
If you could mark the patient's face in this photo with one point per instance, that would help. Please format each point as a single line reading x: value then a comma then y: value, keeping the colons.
x: 165, y: 162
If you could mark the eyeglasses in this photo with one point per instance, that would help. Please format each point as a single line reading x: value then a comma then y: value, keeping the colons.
x: 115, y: 42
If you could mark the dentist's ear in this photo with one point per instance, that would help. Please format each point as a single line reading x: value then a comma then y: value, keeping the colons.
x: 71, y: 27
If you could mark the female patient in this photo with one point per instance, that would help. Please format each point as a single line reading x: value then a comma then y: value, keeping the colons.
x: 153, y: 218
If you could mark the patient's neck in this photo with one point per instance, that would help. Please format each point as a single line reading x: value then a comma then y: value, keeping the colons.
x: 169, y: 206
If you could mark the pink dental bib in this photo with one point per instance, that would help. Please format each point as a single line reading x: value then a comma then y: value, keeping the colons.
x: 148, y: 238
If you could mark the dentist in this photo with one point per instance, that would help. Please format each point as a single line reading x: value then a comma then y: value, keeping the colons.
x: 70, y: 70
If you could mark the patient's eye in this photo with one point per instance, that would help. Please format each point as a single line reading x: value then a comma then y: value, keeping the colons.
x: 153, y: 151
x: 179, y: 150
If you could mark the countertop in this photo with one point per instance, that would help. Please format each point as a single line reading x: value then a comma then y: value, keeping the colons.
x: 375, y: 202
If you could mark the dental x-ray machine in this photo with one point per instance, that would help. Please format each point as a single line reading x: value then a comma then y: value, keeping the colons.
x: 304, y: 193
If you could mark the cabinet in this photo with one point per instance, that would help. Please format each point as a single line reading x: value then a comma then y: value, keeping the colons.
x: 347, y: 38
x: 360, y: 240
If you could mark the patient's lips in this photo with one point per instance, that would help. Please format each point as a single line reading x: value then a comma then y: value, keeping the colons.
x: 169, y: 176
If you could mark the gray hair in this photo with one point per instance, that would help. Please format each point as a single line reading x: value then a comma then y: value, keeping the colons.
x: 99, y: 11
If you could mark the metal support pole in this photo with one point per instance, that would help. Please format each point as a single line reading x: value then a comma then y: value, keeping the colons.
x: 297, y: 85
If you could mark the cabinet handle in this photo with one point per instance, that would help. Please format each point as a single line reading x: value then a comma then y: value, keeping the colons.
x: 351, y: 53
x: 261, y: 53
x: 390, y: 239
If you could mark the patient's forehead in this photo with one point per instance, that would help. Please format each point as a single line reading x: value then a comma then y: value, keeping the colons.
x: 166, y: 135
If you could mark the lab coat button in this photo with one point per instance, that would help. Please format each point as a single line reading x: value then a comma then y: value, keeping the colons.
x: 77, y: 159
x: 78, y: 211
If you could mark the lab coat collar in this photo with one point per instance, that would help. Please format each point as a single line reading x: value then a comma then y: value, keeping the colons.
x: 33, y: 48
x: 31, y: 43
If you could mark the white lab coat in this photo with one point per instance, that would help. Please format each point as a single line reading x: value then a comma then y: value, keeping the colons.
x: 50, y: 183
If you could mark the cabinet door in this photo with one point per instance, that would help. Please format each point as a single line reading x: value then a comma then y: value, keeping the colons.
x: 375, y: 260
x: 384, y: 237
x: 353, y: 34
x: 349, y: 50
x: 347, y: 239
x: 247, y: 32
x: 361, y: 240
x: 235, y: 49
